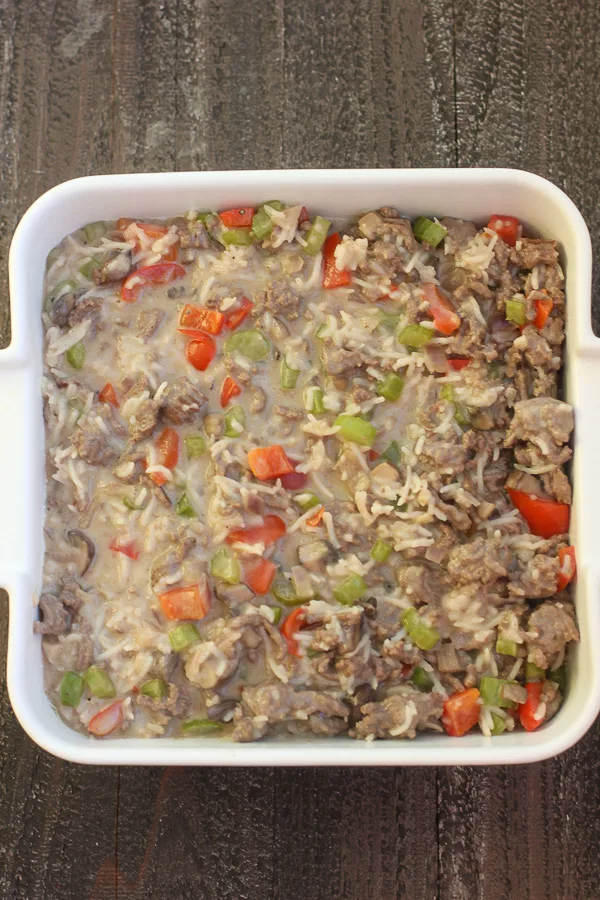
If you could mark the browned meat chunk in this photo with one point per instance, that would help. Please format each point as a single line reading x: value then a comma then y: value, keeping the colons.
x: 551, y: 626
x: 181, y: 402
x: 56, y: 618
x: 538, y: 578
x: 90, y: 308
x: 115, y: 268
x: 400, y: 715
x: 167, y: 564
x: 93, y: 445
x: 142, y: 424
x: 459, y: 233
x: 61, y: 309
x: 444, y: 457
x: 194, y: 237
x: 71, y: 651
x: 557, y: 485
x: 480, y: 560
x: 339, y: 361
x: 148, y: 323
x: 543, y: 421
x: 57, y: 611
x: 532, y: 252
x: 277, y: 299
x: 280, y: 703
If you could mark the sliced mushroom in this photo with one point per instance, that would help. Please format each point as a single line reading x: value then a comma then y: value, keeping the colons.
x: 213, y: 424
x: 315, y: 555
x: 259, y: 400
x: 302, y: 582
x: 233, y: 594
x: 85, y: 548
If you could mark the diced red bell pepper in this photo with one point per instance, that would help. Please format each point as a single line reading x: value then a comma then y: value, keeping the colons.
x: 167, y: 444
x: 201, y: 351
x: 295, y: 480
x: 190, y: 602
x: 303, y: 217
x: 506, y: 227
x: 544, y: 517
x: 543, y: 308
x: 229, y: 390
x: 237, y: 218
x: 456, y: 363
x: 161, y: 273
x: 445, y: 318
x: 461, y: 712
x: 270, y: 531
x: 568, y: 567
x: 315, y: 520
x: 528, y: 709
x: 108, y: 395
x: 259, y: 576
x: 237, y: 316
x: 269, y: 462
x: 332, y: 276
x: 200, y: 318
x: 291, y: 625
x: 373, y: 455
x: 127, y: 548
x: 106, y: 720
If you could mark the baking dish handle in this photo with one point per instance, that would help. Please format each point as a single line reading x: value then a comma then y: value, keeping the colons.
x: 21, y: 465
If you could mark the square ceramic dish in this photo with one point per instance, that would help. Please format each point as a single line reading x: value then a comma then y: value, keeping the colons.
x: 469, y: 193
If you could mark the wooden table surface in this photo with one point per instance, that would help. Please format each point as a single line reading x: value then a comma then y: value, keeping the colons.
x: 95, y: 86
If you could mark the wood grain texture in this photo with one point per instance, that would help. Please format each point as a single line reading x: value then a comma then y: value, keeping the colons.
x: 121, y: 85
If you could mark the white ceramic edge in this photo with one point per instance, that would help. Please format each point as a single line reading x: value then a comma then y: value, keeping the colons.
x: 19, y: 375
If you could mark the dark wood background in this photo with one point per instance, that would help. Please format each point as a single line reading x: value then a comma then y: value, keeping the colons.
x: 93, y: 86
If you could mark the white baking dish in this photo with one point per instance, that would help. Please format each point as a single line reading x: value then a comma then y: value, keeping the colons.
x: 472, y: 194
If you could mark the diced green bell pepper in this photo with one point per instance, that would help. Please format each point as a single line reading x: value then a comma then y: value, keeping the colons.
x: 356, y: 430
x: 415, y: 336
x: 283, y: 590
x: 491, y: 692
x: 156, y: 689
x: 234, y: 422
x: 262, y: 223
x: 94, y: 231
x: 313, y: 401
x: 183, y: 636
x: 184, y: 507
x: 196, y: 727
x: 316, y: 234
x: 421, y: 679
x: 252, y: 344
x: 195, y: 445
x: 225, y: 567
x: 515, y: 312
x: 559, y: 677
x: 75, y: 355
x: 391, y: 387
x: 350, y: 590
x: 499, y: 724
x: 88, y: 267
x: 534, y: 673
x: 237, y: 237
x: 99, y: 682
x: 381, y: 550
x: 392, y: 453
x: 306, y: 500
x: 71, y: 688
x: 427, y: 230
x: 424, y: 636
x: 288, y: 376
x: 506, y: 647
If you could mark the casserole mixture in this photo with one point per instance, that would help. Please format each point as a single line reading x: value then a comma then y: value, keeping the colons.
x: 303, y: 479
